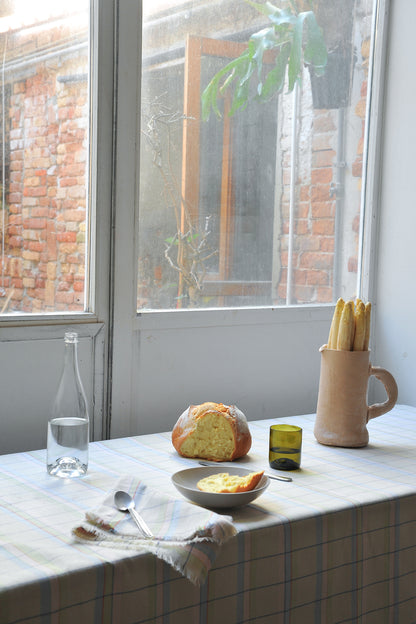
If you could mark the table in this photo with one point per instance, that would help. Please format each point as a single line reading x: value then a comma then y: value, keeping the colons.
x: 337, y: 545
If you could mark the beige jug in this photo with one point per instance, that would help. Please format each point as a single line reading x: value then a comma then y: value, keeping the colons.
x: 342, y: 412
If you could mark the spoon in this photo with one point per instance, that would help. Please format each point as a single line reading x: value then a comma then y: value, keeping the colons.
x: 280, y: 478
x: 124, y: 502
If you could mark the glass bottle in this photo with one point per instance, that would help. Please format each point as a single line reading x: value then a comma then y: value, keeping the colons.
x: 68, y: 427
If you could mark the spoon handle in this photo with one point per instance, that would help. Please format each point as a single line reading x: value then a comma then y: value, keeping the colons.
x: 277, y: 478
x: 140, y: 523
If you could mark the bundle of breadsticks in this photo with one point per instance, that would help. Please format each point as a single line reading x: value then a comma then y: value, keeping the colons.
x: 350, y: 327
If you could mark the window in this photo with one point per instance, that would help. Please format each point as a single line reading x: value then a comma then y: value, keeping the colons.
x: 141, y: 369
x: 44, y: 216
x: 261, y: 207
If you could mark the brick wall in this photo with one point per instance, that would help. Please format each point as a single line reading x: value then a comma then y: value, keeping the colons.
x: 315, y: 237
x: 46, y: 192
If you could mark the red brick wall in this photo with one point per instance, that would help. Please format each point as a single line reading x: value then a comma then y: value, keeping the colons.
x: 315, y: 204
x: 314, y: 219
x: 47, y: 191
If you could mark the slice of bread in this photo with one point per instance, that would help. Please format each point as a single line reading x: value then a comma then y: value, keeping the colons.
x: 224, y: 482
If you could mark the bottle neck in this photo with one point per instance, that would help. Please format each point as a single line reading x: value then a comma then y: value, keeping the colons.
x: 70, y: 399
x: 71, y: 354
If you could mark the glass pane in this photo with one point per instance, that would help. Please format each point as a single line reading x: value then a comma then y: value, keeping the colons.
x: 260, y: 204
x: 44, y: 48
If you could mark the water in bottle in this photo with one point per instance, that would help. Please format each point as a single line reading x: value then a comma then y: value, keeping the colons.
x: 68, y: 427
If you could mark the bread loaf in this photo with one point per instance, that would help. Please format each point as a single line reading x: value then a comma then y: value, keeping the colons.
x: 223, y: 482
x: 212, y: 431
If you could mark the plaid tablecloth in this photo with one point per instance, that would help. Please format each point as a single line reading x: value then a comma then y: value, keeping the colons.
x: 335, y: 546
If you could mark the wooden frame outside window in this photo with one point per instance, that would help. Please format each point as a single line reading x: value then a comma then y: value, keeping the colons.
x: 218, y: 283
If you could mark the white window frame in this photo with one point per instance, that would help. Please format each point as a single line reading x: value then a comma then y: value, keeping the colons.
x: 99, y: 176
x: 47, y: 330
x: 132, y: 331
x: 130, y: 394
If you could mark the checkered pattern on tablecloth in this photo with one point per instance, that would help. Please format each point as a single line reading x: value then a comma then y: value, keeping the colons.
x: 337, y: 545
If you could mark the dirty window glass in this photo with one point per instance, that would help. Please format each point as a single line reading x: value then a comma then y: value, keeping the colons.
x: 44, y: 134
x: 252, y: 142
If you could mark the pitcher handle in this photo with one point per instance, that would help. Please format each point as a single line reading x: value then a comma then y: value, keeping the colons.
x: 388, y: 381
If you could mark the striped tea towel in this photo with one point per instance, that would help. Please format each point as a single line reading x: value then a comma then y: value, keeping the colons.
x: 187, y: 537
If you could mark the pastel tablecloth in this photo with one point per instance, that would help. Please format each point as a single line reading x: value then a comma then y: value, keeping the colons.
x: 335, y: 546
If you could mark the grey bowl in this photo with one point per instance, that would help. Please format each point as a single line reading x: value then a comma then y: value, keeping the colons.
x: 185, y: 482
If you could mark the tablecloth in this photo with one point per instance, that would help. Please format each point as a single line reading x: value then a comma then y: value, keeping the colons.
x: 337, y: 545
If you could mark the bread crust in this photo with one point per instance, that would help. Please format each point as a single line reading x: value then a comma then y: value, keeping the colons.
x: 188, y: 423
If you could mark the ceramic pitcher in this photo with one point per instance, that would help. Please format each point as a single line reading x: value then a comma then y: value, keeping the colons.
x: 342, y: 412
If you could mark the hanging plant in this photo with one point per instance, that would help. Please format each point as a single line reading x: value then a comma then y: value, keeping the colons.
x: 295, y: 38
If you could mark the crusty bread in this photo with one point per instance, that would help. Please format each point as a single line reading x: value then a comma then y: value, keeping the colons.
x: 212, y: 431
x: 224, y: 482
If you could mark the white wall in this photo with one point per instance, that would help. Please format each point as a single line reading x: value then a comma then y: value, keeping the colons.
x: 394, y: 339
x: 266, y: 362
x: 31, y: 361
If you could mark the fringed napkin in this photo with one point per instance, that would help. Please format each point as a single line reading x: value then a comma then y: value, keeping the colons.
x: 187, y: 537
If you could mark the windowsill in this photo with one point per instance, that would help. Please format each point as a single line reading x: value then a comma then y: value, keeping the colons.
x: 48, y: 326
x: 181, y: 319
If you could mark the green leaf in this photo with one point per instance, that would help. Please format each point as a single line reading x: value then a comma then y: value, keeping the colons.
x: 295, y: 60
x: 245, y: 71
x: 227, y: 81
x: 275, y: 78
x: 209, y: 97
x: 170, y: 240
x: 283, y: 18
x: 315, y: 52
x: 193, y: 237
x: 213, y: 90
x: 241, y: 96
x: 261, y: 42
x: 294, y: 44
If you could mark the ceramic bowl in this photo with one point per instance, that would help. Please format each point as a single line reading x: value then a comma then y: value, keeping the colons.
x: 186, y: 481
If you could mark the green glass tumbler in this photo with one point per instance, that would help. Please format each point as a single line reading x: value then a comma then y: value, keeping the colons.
x: 285, y: 447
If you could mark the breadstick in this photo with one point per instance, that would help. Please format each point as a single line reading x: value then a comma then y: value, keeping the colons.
x: 333, y: 332
x: 346, y: 328
x: 359, y: 317
x: 367, y: 326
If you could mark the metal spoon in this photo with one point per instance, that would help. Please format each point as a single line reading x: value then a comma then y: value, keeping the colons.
x: 124, y: 502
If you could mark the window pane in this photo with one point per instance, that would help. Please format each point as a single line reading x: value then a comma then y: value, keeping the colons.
x: 258, y: 205
x: 44, y: 158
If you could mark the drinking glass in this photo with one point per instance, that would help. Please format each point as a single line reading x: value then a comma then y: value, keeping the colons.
x: 285, y: 447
